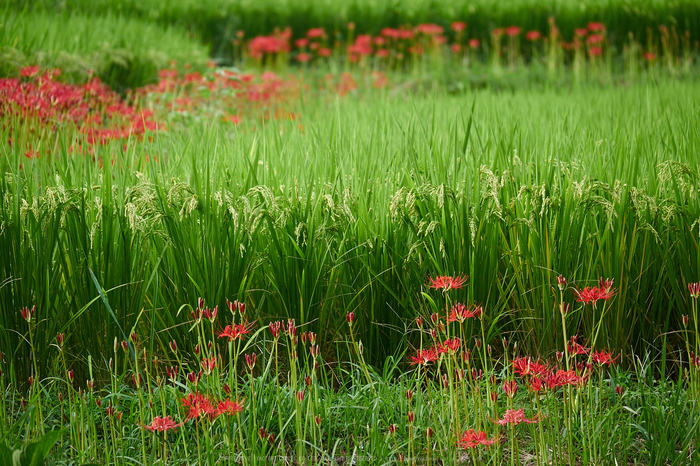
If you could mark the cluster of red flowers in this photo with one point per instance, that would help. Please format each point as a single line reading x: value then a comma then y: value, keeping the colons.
x: 278, y: 42
x: 97, y: 113
x: 199, y: 405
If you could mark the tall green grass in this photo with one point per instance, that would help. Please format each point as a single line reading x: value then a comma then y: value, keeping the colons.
x: 216, y: 22
x: 354, y: 211
x: 123, y: 52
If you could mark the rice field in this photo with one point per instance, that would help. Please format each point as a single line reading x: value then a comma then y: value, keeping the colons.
x: 452, y: 259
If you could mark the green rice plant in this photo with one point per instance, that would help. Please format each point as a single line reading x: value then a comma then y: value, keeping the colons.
x: 124, y: 52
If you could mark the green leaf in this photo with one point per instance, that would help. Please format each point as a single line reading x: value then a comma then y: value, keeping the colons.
x: 33, y: 454
x: 5, y: 455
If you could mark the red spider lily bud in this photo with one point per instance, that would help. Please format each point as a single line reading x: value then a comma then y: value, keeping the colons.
x: 350, y: 317
x: 209, y: 345
x: 580, y: 366
x: 312, y: 338
x: 686, y: 319
x: 59, y: 339
x: 308, y: 381
x: 564, y: 308
x: 503, y: 341
x: 478, y: 344
x: 172, y: 372
x: 494, y: 396
x: 173, y: 346
x: 561, y: 282
x: 314, y: 351
x: 125, y: 346
x: 200, y: 303
x: 300, y: 395
x: 241, y: 308
x: 433, y: 334
x: 109, y: 411
x: 274, y: 329
x: 293, y: 355
x: 90, y: 384
x: 441, y: 327
x: 60, y: 398
x: 133, y: 338
x: 24, y: 403
x: 291, y: 328
x: 231, y: 306
x: 460, y: 374
x: 271, y: 438
x: 392, y: 428
x: 227, y: 389
x: 445, y: 381
x: 194, y: 378
x: 208, y: 365
x: 510, y: 387
x: 318, y: 420
x: 429, y: 432
x: 98, y: 402
x: 492, y: 380
x: 434, y: 317
x: 119, y: 416
x: 466, y: 355
x: 618, y: 390
x: 360, y: 348
x: 116, y: 344
x: 411, y: 417
x: 488, y: 349
x: 419, y: 322
x: 606, y: 284
x: 71, y: 375
x: 27, y: 313
x: 409, y: 394
x: 137, y: 380
x: 110, y: 364
x: 694, y: 289
x: 294, y: 340
x: 560, y: 356
x: 401, y: 458
x: 303, y: 338
x: 30, y: 380
x: 250, y: 360
x: 196, y: 349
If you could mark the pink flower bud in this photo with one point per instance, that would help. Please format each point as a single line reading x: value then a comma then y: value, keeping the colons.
x: 409, y: 394
x: 561, y: 282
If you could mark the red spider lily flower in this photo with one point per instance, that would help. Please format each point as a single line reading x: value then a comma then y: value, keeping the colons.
x: 429, y: 29
x: 512, y: 31
x: 515, y: 417
x: 525, y: 366
x: 59, y: 338
x: 424, y: 357
x: 161, y: 424
x: 456, y: 48
x: 229, y: 407
x: 459, y: 26
x: 301, y: 43
x: 562, y: 378
x: 198, y: 405
x: 510, y: 387
x: 473, y: 43
x: 649, y: 56
x: 29, y: 71
x: 594, y: 294
x: 596, y: 27
x: 606, y: 283
x: 208, y: 364
x: 275, y: 329
x: 536, y: 384
x: 533, y: 35
x: 694, y: 289
x: 303, y: 58
x: 497, y: 32
x: 446, y: 283
x: 235, y: 331
x: 594, y: 39
x: 603, y: 357
x: 452, y: 344
x: 575, y: 348
x: 350, y: 317
x: 472, y: 439
x: 581, y: 32
x: 324, y: 52
x: 460, y: 312
x: 316, y: 33
x: 173, y: 346
x: 411, y: 417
